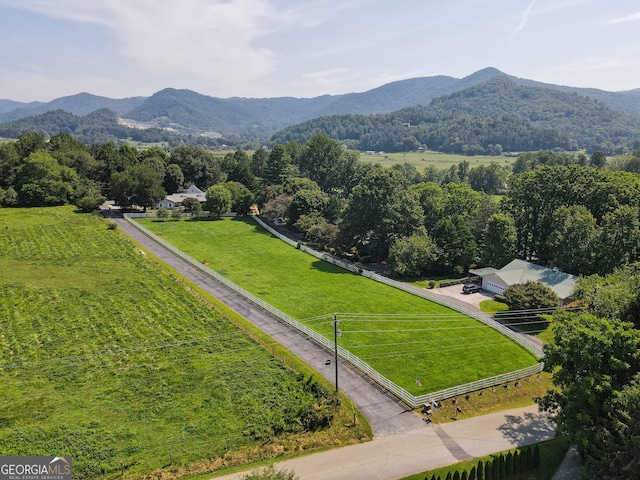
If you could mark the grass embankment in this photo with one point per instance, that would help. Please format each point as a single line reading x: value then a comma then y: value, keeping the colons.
x: 109, y: 358
x: 403, y: 336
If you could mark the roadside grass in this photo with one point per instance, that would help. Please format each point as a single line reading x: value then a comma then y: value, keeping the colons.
x: 552, y: 452
x: 406, y: 338
x: 427, y: 158
x: 112, y: 359
x: 490, y: 400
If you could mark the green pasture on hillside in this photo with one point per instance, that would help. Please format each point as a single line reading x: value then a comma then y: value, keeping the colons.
x: 401, y: 335
x: 427, y: 158
x: 111, y: 359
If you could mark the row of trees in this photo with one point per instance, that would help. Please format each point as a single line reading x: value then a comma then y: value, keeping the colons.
x: 557, y: 210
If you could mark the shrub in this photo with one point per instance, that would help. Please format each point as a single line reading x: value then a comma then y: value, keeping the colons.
x: 270, y: 473
x: 530, y: 296
x: 536, y: 457
x: 509, y: 464
x: 480, y: 470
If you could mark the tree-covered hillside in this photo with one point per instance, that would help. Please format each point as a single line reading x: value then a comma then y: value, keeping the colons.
x: 487, y: 118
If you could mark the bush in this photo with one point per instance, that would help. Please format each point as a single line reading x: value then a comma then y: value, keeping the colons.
x: 270, y: 473
x: 88, y: 204
x: 530, y: 296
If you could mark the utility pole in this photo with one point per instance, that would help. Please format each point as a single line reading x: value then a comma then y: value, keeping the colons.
x: 336, y: 334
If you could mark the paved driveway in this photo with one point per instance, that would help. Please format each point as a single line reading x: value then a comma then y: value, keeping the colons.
x: 455, y: 291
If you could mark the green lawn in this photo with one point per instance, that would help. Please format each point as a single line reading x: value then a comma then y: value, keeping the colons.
x: 107, y: 357
x: 428, y: 158
x: 399, y: 334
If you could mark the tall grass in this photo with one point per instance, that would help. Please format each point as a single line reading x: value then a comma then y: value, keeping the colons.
x: 108, y: 358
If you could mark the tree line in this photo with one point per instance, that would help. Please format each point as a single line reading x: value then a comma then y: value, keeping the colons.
x: 574, y: 212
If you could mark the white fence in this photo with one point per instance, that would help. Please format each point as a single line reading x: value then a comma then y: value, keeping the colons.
x: 410, y: 399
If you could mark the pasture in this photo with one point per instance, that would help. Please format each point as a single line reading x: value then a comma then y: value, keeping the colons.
x: 427, y: 158
x: 110, y: 358
x: 418, y: 344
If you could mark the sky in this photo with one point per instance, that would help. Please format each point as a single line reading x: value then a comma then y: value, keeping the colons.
x: 307, y: 48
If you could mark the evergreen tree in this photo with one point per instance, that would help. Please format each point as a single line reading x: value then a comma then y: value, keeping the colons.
x: 472, y: 473
x: 480, y: 470
x: 536, y: 457
x: 509, y: 464
x: 503, y: 466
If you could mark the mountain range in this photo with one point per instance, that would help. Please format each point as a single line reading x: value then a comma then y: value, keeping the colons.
x: 188, y: 112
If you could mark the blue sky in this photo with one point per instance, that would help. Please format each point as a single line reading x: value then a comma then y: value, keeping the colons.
x: 306, y: 48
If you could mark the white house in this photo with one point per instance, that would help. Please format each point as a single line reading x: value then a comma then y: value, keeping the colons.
x: 175, y: 200
x: 519, y: 271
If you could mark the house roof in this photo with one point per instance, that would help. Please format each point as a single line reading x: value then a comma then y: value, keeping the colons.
x: 519, y: 271
x: 191, y: 192
x: 482, y: 272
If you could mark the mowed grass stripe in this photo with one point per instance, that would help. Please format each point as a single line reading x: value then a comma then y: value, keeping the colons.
x: 441, y: 347
x: 106, y: 357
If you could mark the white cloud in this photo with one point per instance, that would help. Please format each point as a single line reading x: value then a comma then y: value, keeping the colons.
x: 524, y: 19
x: 634, y: 17
x: 214, y: 40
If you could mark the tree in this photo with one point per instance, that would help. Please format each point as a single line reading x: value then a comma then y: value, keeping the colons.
x: 198, y: 166
x: 571, y: 241
x: 192, y: 205
x: 237, y: 166
x: 598, y: 160
x: 593, y: 361
x: 530, y: 296
x: 498, y: 245
x: 147, y: 189
x: 307, y: 202
x: 380, y: 210
x: 162, y: 213
x: 619, y: 239
x: 321, y: 161
x: 258, y: 161
x: 173, y: 178
x: 41, y: 181
x: 241, y: 197
x: 277, y: 166
x: 413, y: 256
x: 457, y: 246
x: 218, y: 200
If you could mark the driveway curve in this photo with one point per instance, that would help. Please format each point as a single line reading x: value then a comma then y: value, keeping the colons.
x: 386, y: 414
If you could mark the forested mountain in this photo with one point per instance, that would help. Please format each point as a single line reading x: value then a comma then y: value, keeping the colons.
x: 97, y: 127
x: 489, y: 117
x: 80, y: 104
x: 483, y: 112
x: 9, y: 105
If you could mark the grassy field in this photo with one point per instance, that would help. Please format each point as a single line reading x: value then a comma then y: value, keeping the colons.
x: 109, y: 358
x: 403, y: 336
x: 428, y: 158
